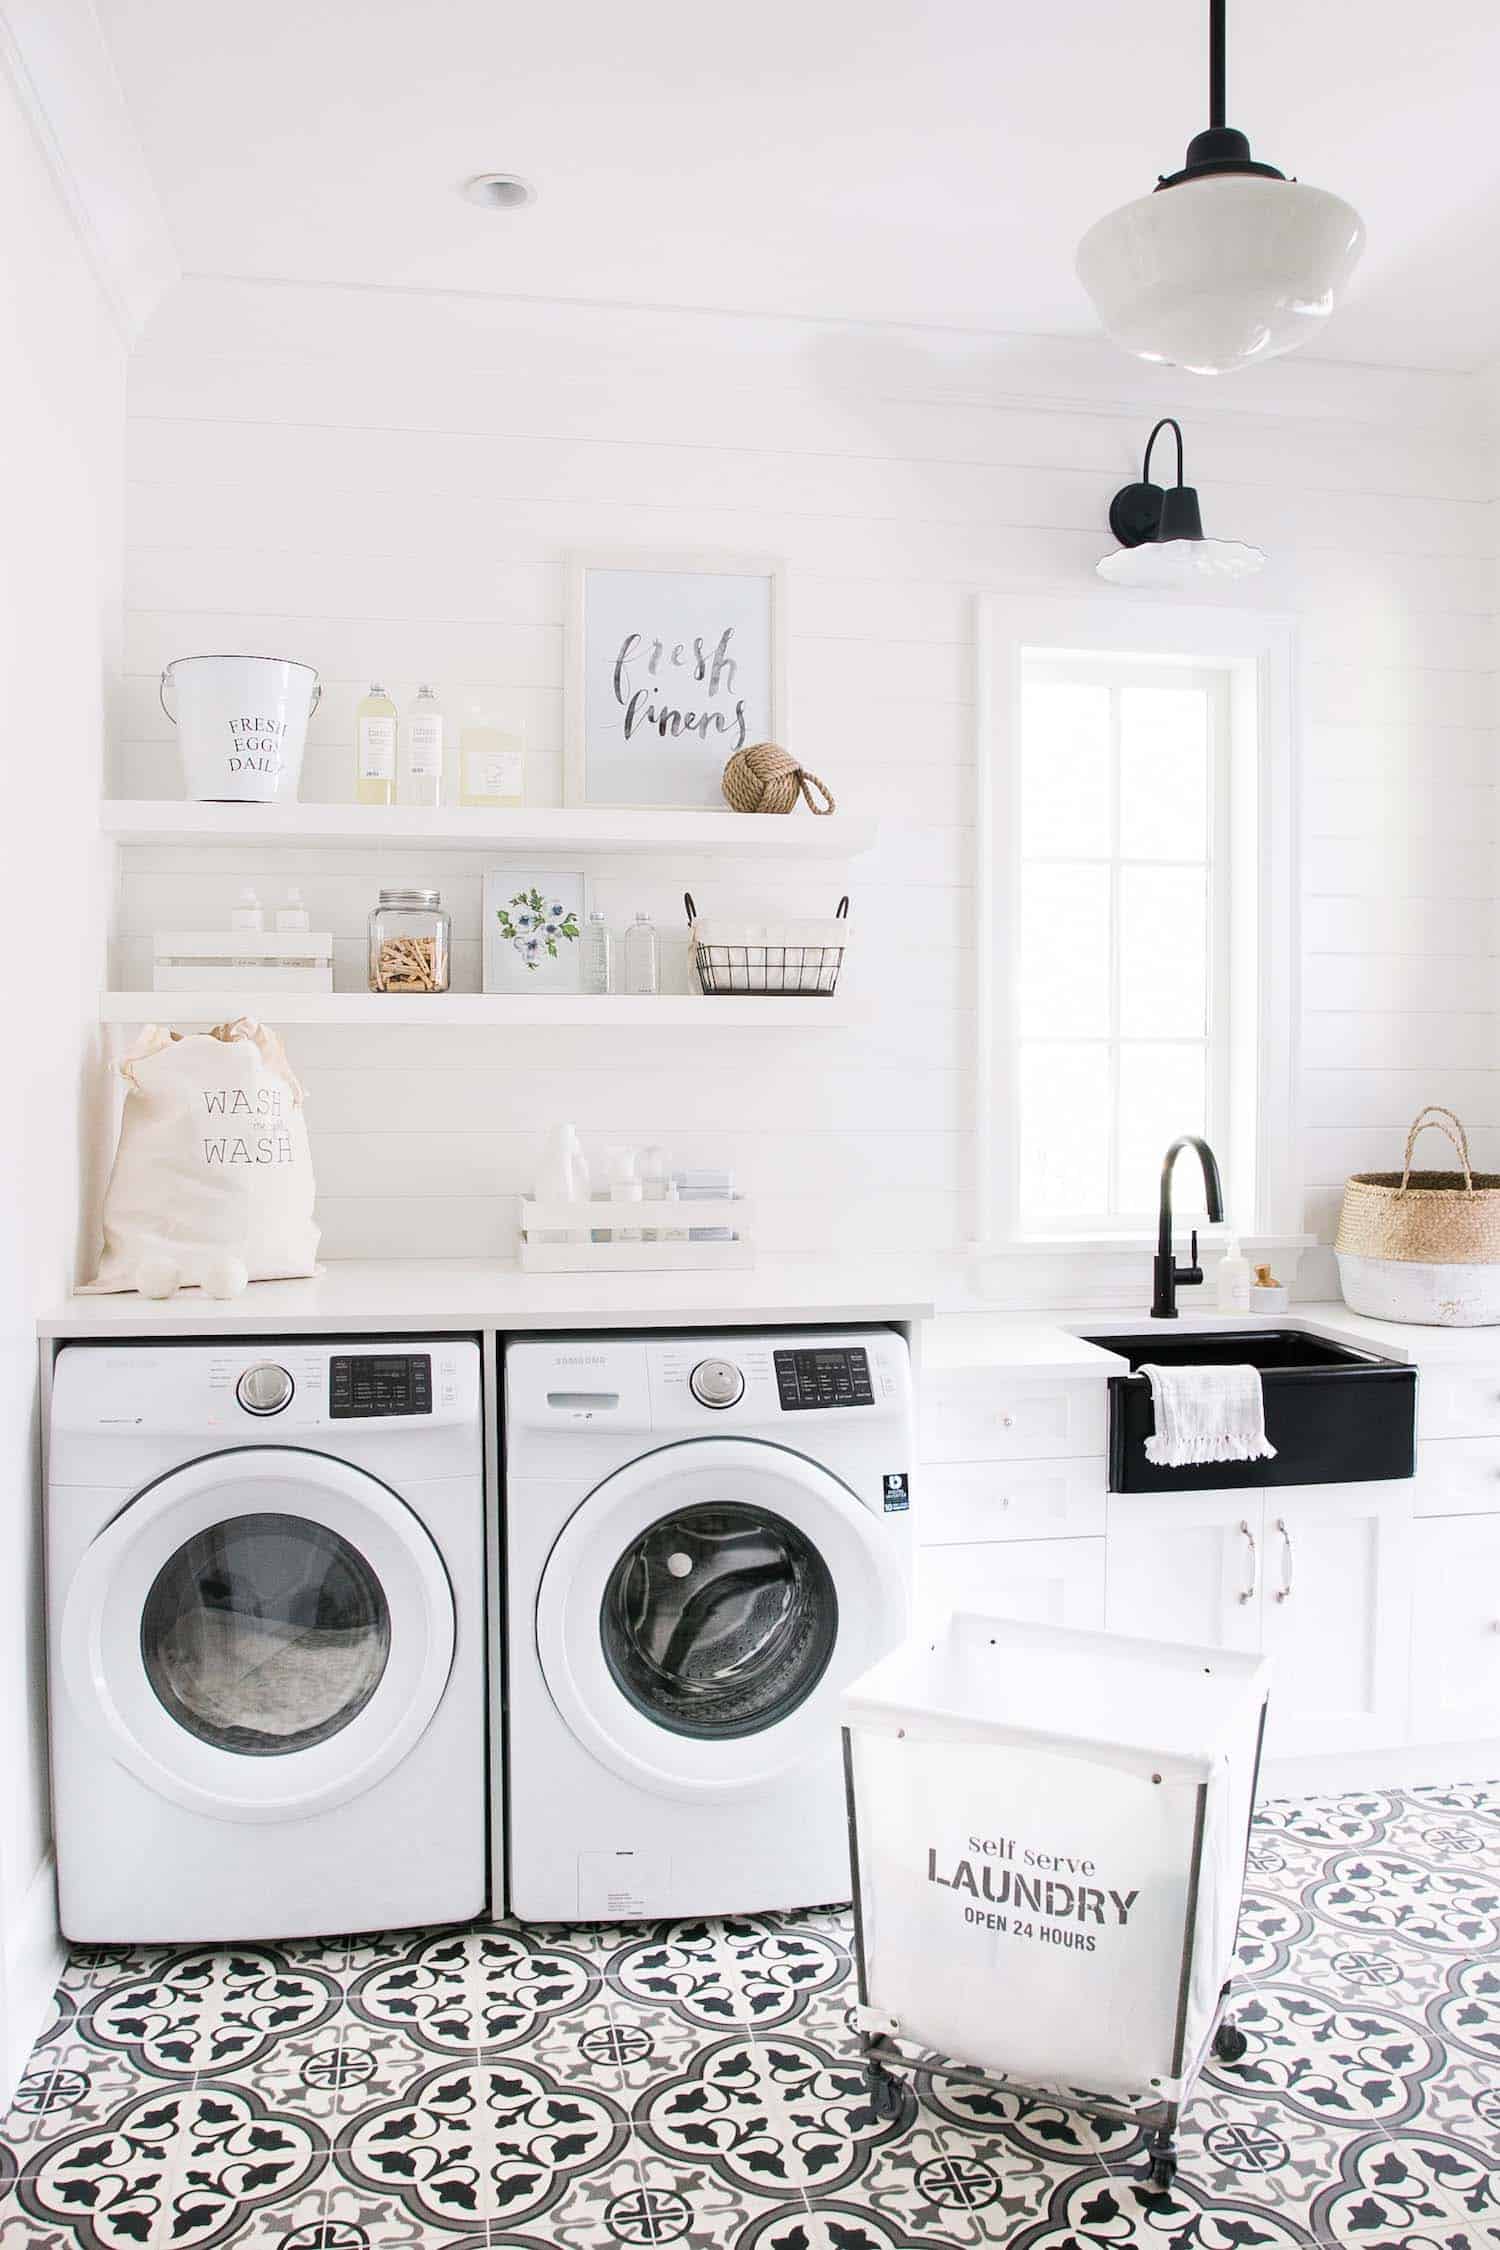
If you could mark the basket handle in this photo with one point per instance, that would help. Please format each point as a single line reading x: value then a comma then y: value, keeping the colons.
x: 1435, y: 1114
x: 692, y: 911
x: 841, y: 911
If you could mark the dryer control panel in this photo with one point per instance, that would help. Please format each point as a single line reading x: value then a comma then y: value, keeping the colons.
x: 364, y: 1384
x: 395, y: 1403
x: 602, y: 1387
x: 837, y: 1375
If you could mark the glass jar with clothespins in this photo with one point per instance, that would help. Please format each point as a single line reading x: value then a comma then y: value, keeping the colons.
x: 410, y: 942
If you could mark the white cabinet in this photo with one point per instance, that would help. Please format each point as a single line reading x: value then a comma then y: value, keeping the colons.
x: 1455, y: 1642
x: 962, y: 1503
x: 1458, y: 1476
x: 1336, y: 1615
x: 1185, y: 1566
x: 1040, y: 1581
x: 987, y: 1414
x: 1315, y: 1576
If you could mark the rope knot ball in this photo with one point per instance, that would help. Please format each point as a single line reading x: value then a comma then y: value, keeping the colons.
x: 764, y: 778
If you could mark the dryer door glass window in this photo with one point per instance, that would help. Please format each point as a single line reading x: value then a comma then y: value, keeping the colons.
x: 719, y: 1621
x: 265, y: 1634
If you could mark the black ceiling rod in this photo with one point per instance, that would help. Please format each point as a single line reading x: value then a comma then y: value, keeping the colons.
x: 1220, y: 147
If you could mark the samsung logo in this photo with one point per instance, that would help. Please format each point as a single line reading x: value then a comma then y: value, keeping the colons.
x: 580, y: 1359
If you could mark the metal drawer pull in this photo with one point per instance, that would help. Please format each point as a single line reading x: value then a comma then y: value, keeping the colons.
x: 1248, y: 1593
x: 1288, y: 1562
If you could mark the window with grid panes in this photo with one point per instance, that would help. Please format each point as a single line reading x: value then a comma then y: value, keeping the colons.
x: 1121, y: 930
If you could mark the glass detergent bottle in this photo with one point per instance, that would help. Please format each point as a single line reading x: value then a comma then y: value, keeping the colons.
x: 375, y: 749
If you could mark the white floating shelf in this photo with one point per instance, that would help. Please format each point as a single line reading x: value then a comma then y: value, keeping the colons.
x: 798, y: 835
x: 668, y: 1011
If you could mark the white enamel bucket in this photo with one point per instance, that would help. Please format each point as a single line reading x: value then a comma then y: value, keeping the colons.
x: 241, y: 724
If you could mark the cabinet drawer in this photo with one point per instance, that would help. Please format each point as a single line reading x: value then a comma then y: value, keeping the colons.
x: 1038, y: 1581
x: 1459, y: 1402
x: 1457, y: 1477
x: 976, y: 1415
x: 981, y: 1501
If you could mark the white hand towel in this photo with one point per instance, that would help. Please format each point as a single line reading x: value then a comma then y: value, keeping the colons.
x: 1207, y: 1414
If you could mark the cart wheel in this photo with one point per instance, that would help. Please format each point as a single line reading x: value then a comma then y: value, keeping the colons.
x: 1230, y: 2043
x: 883, y: 2090
x: 1163, y: 2171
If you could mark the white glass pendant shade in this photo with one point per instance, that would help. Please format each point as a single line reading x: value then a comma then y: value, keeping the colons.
x: 1169, y: 565
x: 1216, y: 272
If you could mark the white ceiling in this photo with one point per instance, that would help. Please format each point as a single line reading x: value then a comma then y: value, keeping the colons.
x: 867, y: 159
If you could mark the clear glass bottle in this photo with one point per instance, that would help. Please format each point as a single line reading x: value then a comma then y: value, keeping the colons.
x: 422, y: 778
x: 597, y: 960
x: 375, y: 748
x: 410, y: 942
x: 642, y: 956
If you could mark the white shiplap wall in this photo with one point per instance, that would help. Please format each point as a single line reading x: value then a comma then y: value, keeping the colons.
x: 388, y: 484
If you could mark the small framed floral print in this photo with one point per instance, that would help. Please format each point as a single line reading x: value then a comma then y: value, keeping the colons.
x: 534, y: 922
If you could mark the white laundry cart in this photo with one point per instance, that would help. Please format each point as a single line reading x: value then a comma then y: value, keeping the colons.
x: 1048, y: 1832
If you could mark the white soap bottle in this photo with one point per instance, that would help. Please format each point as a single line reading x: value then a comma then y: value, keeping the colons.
x: 294, y: 915
x: 1232, y: 1281
x: 562, y: 1176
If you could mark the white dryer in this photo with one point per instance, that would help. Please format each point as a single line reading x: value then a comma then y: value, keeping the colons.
x: 706, y: 1539
x: 266, y: 1622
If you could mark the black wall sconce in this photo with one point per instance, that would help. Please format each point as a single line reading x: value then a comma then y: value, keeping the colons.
x: 1160, y: 533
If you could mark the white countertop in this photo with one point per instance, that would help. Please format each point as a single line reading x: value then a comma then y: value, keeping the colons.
x: 1016, y: 1341
x: 1020, y: 1341
x: 356, y: 1295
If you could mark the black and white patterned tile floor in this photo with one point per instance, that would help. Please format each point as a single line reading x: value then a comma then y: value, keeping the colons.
x: 697, y: 2083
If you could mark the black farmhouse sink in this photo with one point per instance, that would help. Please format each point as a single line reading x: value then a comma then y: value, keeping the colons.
x: 1335, y: 1415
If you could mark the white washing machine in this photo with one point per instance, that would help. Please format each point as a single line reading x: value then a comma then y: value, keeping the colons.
x: 266, y: 1620
x: 706, y: 1538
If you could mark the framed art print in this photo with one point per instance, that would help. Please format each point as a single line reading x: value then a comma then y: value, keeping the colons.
x: 534, y: 920
x: 673, y: 663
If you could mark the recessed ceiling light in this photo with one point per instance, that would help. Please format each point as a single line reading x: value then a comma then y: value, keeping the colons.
x: 498, y: 191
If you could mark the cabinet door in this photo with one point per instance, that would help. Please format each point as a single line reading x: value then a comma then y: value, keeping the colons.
x: 1186, y: 1566
x: 1336, y: 1612
x: 1455, y: 1639
x: 1040, y: 1581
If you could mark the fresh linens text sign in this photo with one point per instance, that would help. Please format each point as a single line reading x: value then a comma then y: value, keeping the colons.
x: 671, y: 669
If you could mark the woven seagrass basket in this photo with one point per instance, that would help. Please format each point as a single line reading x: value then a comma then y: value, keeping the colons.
x: 1423, y: 1246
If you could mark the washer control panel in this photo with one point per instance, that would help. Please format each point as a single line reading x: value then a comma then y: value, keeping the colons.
x: 265, y: 1389
x: 362, y: 1385
x: 717, y: 1382
x: 823, y: 1376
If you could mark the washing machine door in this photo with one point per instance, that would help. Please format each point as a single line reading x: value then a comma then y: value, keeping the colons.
x: 260, y: 1635
x: 703, y: 1609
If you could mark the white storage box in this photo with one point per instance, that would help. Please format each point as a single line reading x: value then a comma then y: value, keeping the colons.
x: 1049, y: 1833
x: 263, y: 961
x: 597, y: 1235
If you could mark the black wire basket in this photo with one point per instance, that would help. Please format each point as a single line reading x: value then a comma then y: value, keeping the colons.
x: 780, y: 962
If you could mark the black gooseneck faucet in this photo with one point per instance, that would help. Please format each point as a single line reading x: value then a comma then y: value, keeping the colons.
x: 1167, y: 1277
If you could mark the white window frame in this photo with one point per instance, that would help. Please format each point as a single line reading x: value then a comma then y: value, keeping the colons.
x: 1257, y: 650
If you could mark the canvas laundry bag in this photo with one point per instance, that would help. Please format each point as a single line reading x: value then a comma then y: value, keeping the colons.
x: 213, y: 1159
